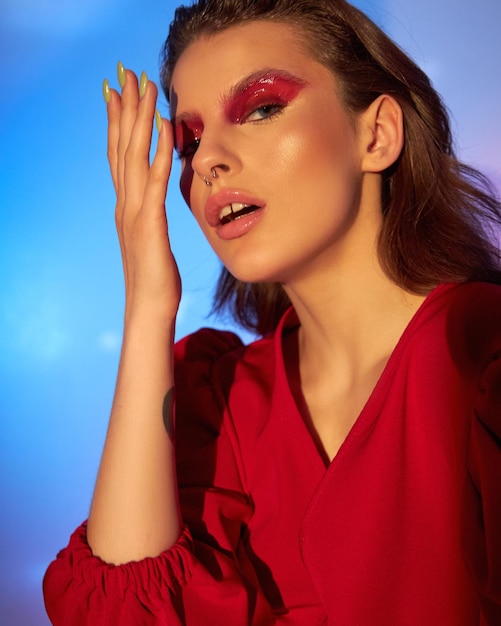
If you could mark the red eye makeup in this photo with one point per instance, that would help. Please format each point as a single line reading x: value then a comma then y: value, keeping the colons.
x: 187, y: 134
x: 264, y: 89
x: 268, y: 90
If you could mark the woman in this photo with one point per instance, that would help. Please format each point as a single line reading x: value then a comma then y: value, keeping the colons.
x: 345, y: 468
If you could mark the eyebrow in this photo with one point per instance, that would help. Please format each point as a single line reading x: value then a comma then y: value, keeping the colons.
x: 186, y: 118
x: 255, y: 77
x: 240, y: 87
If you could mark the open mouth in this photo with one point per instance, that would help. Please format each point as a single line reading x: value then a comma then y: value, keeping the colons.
x: 235, y: 210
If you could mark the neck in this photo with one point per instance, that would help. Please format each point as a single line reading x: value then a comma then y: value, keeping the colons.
x: 351, y: 319
x: 351, y: 314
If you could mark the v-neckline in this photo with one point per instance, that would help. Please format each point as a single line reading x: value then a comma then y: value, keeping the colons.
x: 287, y: 353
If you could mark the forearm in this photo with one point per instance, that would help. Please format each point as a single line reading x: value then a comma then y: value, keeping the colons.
x: 134, y: 512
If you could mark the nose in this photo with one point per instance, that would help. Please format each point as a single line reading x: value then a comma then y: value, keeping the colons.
x: 215, y: 157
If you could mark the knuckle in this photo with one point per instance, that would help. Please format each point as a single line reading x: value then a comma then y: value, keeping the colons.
x: 157, y: 175
x: 155, y: 178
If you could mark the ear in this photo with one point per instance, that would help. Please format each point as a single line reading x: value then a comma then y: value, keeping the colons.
x: 381, y: 128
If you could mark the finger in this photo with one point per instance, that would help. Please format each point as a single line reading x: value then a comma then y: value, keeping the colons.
x: 137, y: 156
x: 158, y: 176
x: 113, y: 110
x: 128, y: 112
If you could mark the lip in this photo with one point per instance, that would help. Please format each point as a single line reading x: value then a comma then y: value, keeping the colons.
x: 224, y: 197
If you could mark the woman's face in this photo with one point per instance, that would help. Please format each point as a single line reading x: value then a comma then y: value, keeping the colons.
x: 250, y: 106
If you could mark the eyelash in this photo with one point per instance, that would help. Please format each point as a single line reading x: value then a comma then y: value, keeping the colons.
x: 189, y: 150
x: 276, y: 109
x: 271, y: 110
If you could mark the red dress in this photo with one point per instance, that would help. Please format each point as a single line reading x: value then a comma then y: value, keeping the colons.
x: 403, y: 528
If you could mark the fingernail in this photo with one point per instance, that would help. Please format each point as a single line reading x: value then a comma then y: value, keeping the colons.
x: 158, y: 120
x: 143, y: 82
x: 106, y: 91
x: 121, y: 73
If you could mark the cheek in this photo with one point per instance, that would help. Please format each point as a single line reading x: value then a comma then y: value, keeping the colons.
x: 279, y: 158
x: 195, y: 202
x: 185, y: 183
x: 310, y: 151
x: 185, y: 186
x: 315, y: 169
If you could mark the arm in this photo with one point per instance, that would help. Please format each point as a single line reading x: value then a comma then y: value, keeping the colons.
x: 207, y: 576
x: 197, y: 577
x: 134, y: 511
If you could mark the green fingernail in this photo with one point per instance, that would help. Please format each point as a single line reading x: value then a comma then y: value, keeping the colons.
x: 143, y: 82
x: 121, y: 73
x: 106, y: 91
x: 158, y: 120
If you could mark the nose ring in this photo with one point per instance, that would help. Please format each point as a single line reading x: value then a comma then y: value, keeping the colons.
x: 214, y: 175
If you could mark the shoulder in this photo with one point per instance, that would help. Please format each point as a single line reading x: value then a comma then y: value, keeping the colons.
x: 223, y: 389
x: 206, y: 344
x: 475, y: 296
x: 219, y: 359
x: 470, y: 301
x: 456, y: 331
x: 473, y: 323
x: 467, y: 315
x: 210, y: 345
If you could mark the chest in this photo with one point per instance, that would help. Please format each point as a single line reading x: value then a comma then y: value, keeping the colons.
x: 387, y: 504
x: 329, y: 413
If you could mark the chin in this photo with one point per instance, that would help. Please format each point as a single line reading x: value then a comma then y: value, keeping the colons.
x: 252, y: 277
x: 255, y: 271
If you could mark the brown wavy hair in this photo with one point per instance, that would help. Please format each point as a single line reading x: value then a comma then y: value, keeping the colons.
x: 439, y: 214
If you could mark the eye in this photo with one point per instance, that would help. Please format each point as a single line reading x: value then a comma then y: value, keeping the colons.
x: 263, y: 97
x: 264, y: 112
x: 187, y: 134
x: 188, y: 150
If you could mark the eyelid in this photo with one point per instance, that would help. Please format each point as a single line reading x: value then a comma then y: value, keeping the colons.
x: 267, y: 89
x: 279, y: 109
x: 186, y: 134
x: 185, y: 152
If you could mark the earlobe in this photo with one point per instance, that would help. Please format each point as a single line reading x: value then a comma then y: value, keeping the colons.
x: 382, y: 134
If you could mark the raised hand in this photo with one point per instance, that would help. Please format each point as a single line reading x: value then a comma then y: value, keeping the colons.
x: 151, y: 275
x: 134, y: 512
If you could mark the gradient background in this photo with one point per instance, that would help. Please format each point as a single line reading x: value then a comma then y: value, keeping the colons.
x: 61, y: 286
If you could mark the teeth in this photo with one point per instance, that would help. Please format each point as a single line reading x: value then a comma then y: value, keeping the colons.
x: 225, y: 211
x: 231, y: 208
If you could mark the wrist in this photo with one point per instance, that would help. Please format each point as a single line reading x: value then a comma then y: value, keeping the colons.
x: 150, y: 314
x: 149, y: 326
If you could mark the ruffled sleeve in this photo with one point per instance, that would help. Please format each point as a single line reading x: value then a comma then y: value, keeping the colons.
x: 482, y: 518
x: 207, y: 576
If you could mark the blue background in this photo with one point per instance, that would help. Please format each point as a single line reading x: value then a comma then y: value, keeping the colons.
x: 61, y: 287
